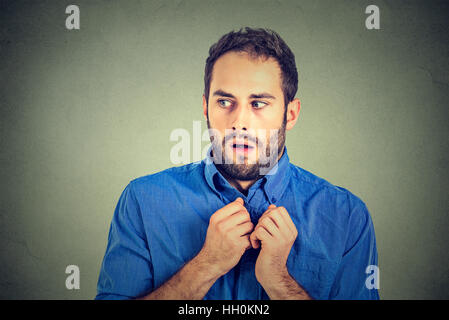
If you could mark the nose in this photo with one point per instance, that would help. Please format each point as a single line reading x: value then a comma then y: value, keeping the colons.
x: 240, y: 118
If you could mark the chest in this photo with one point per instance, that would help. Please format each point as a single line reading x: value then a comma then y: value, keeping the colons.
x: 176, y: 236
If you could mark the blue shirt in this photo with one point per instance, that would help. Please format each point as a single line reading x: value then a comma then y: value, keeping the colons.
x: 161, y: 220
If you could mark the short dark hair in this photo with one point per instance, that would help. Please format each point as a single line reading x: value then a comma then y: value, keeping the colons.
x: 257, y: 43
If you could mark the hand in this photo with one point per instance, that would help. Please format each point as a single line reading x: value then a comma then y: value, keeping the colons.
x: 227, y: 237
x: 275, y: 233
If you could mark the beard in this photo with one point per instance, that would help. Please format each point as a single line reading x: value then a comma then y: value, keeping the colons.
x: 242, y: 169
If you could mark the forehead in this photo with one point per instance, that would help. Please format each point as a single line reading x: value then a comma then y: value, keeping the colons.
x: 239, y: 73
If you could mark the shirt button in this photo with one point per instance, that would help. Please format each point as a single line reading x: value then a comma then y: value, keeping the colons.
x: 273, y: 199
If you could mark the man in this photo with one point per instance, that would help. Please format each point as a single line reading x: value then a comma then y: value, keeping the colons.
x: 244, y: 223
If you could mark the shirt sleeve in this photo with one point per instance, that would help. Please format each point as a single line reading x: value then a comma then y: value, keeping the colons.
x: 358, y: 269
x: 126, y: 271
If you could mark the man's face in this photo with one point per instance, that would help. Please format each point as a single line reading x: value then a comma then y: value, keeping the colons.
x: 246, y: 110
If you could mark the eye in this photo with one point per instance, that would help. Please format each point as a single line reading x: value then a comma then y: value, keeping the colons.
x: 258, y: 104
x: 224, y: 103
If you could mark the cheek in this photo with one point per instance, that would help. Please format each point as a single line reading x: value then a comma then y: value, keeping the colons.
x: 268, y: 125
x: 216, y: 118
x: 270, y: 135
x: 271, y: 117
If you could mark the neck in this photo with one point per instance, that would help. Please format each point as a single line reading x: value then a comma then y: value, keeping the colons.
x: 241, y: 185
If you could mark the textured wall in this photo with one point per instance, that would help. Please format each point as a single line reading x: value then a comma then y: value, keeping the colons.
x: 83, y: 112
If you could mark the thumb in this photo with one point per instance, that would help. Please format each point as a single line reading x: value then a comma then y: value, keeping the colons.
x: 255, y: 243
x: 239, y: 200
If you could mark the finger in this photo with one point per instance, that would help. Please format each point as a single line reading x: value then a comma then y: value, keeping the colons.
x: 255, y: 243
x: 270, y: 226
x: 278, y: 219
x: 259, y: 236
x: 243, y: 229
x: 269, y: 209
x: 236, y: 219
x: 228, y: 210
x: 246, y: 242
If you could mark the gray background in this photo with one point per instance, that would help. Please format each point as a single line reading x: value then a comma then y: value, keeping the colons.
x: 83, y: 112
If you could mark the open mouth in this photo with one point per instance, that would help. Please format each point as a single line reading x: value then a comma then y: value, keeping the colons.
x: 242, y: 147
x: 238, y: 145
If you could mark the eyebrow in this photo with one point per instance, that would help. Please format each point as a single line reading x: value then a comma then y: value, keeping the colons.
x: 263, y: 95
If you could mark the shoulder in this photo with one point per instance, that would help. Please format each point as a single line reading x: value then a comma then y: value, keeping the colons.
x: 315, y: 187
x: 332, y: 206
x: 166, y: 180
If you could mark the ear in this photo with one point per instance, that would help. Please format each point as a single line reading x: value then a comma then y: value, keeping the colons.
x: 204, y: 107
x: 292, y: 113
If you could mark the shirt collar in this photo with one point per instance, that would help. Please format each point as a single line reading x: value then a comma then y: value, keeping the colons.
x: 278, y: 178
x: 273, y: 183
